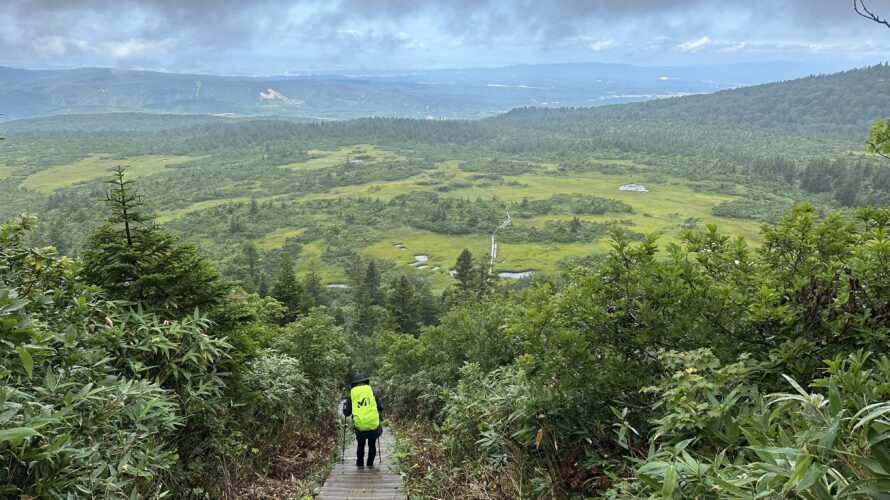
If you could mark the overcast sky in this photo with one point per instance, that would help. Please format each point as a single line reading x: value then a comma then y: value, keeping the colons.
x: 291, y: 36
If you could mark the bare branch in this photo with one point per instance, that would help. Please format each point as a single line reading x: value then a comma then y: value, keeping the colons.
x: 876, y: 149
x: 861, y: 9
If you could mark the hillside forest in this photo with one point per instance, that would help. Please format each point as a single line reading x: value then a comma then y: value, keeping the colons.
x: 183, y: 297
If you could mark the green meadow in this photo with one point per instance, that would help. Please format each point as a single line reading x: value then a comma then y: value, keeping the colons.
x: 98, y: 166
x: 6, y: 171
x: 356, y: 155
x: 669, y: 206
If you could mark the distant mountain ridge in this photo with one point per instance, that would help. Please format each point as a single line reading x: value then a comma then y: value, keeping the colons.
x: 842, y: 104
x: 458, y: 93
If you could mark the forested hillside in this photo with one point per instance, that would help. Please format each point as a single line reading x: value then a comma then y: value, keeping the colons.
x: 841, y: 104
x: 688, y: 299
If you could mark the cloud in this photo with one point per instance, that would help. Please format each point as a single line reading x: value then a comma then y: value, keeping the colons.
x: 56, y: 46
x: 606, y: 43
x: 182, y: 32
x: 140, y: 47
x: 694, y: 45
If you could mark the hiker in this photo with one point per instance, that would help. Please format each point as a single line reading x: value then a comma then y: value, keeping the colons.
x: 365, y: 407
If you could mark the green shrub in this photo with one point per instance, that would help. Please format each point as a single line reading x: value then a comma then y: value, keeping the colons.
x: 831, y: 443
x: 70, y: 423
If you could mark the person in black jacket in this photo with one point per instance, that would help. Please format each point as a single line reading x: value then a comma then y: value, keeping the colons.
x: 362, y: 436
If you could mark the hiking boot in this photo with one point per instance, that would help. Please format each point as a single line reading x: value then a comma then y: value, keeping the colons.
x: 370, y: 464
x: 359, y: 463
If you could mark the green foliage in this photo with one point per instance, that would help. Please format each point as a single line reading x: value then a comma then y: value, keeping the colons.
x: 290, y: 292
x: 700, y: 399
x: 71, y: 423
x: 135, y: 260
x: 879, y: 138
x: 826, y: 444
x: 693, y: 344
x: 571, y: 204
x: 463, y: 270
x: 404, y: 306
x: 108, y: 399
x: 323, y: 353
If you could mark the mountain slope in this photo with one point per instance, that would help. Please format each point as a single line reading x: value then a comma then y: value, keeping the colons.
x: 840, y: 104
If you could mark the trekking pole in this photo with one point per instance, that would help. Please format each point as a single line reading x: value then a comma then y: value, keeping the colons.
x: 343, y: 447
x: 380, y: 442
x: 343, y: 444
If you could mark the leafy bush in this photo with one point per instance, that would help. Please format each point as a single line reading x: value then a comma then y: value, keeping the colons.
x: 101, y: 400
x: 321, y: 349
x: 70, y: 423
x: 832, y: 443
x: 695, y: 345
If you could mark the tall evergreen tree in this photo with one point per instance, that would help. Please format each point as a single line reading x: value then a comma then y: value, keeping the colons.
x: 366, y: 317
x: 484, y: 279
x: 290, y: 292
x: 314, y: 288
x: 371, y: 284
x: 429, y: 305
x: 403, y: 306
x: 134, y: 259
x: 463, y: 270
x: 251, y: 260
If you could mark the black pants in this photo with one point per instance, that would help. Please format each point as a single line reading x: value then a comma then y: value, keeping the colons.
x: 360, y: 452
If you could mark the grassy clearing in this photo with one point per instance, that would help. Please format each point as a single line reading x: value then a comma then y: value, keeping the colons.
x: 358, y: 153
x: 6, y: 171
x: 541, y: 257
x: 310, y: 256
x: 276, y: 238
x: 169, y: 215
x: 670, y: 204
x: 95, y: 167
x: 662, y: 210
x: 388, y: 190
x: 441, y: 250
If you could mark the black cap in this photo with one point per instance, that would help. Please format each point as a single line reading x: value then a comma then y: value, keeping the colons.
x: 359, y: 379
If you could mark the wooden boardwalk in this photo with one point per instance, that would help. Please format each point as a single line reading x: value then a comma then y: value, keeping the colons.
x: 347, y: 481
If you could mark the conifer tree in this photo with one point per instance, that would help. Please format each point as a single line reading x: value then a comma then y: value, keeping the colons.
x: 484, y: 279
x: 262, y: 288
x: 429, y: 306
x: 251, y: 259
x: 366, y: 314
x: 290, y: 292
x: 135, y: 260
x: 371, y: 284
x: 403, y: 306
x: 463, y: 270
x: 314, y: 288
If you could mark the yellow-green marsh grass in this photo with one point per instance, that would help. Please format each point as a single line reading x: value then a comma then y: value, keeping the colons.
x: 6, y: 171
x: 95, y: 167
x: 329, y: 158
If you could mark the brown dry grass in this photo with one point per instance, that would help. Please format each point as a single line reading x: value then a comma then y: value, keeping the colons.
x: 293, y: 466
x: 432, y: 474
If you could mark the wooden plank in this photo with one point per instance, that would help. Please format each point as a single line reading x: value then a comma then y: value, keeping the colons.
x: 347, y: 481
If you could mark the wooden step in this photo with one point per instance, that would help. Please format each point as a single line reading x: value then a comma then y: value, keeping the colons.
x: 382, y: 482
